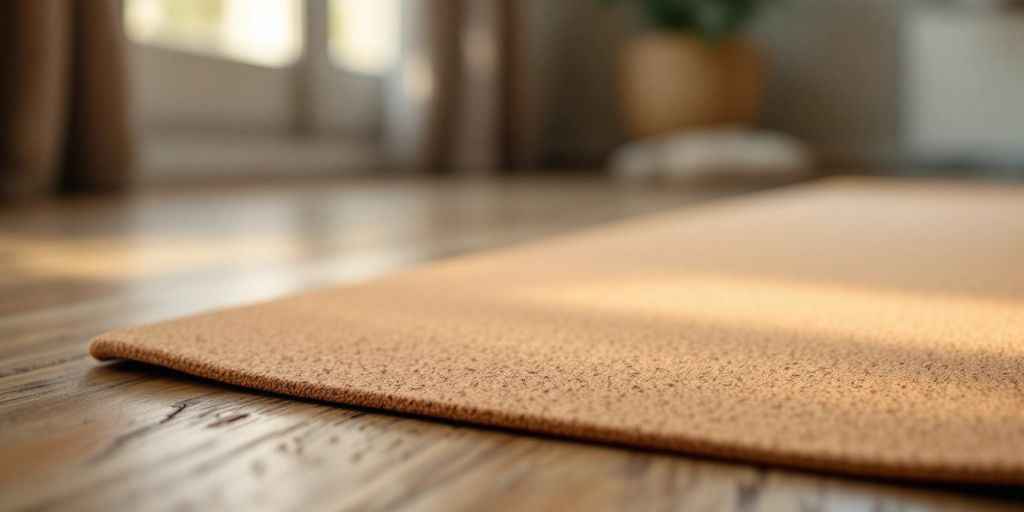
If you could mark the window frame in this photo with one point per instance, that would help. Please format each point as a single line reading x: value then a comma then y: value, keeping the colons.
x: 198, y: 102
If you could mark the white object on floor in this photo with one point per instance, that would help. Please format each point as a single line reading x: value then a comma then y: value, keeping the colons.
x: 714, y: 153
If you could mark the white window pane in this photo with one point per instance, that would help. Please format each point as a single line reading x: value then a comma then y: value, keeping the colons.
x: 364, y: 34
x: 265, y: 32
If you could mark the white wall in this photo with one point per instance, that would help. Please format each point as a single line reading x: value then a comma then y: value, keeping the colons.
x: 834, y: 80
x: 965, y: 86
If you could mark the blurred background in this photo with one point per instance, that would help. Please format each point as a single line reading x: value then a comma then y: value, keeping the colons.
x: 104, y: 94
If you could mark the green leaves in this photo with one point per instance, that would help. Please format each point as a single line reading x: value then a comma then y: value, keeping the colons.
x: 710, y: 19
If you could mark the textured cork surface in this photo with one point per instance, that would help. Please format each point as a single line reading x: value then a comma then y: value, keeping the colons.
x: 857, y: 326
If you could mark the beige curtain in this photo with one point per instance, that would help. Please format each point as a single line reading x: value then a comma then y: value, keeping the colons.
x: 464, y: 94
x: 63, y: 115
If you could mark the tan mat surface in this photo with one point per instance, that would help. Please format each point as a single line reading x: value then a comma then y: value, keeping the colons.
x: 859, y: 326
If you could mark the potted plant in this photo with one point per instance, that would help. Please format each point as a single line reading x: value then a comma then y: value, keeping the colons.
x: 693, y: 69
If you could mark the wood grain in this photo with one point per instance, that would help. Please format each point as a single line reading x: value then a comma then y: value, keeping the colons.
x: 79, y: 435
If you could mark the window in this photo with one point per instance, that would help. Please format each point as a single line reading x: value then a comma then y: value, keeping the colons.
x: 363, y: 35
x: 264, y: 32
x: 259, y: 86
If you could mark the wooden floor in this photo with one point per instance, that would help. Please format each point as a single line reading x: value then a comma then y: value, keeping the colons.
x: 79, y: 435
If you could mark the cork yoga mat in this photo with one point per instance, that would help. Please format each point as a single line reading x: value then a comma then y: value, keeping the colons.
x: 858, y: 326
